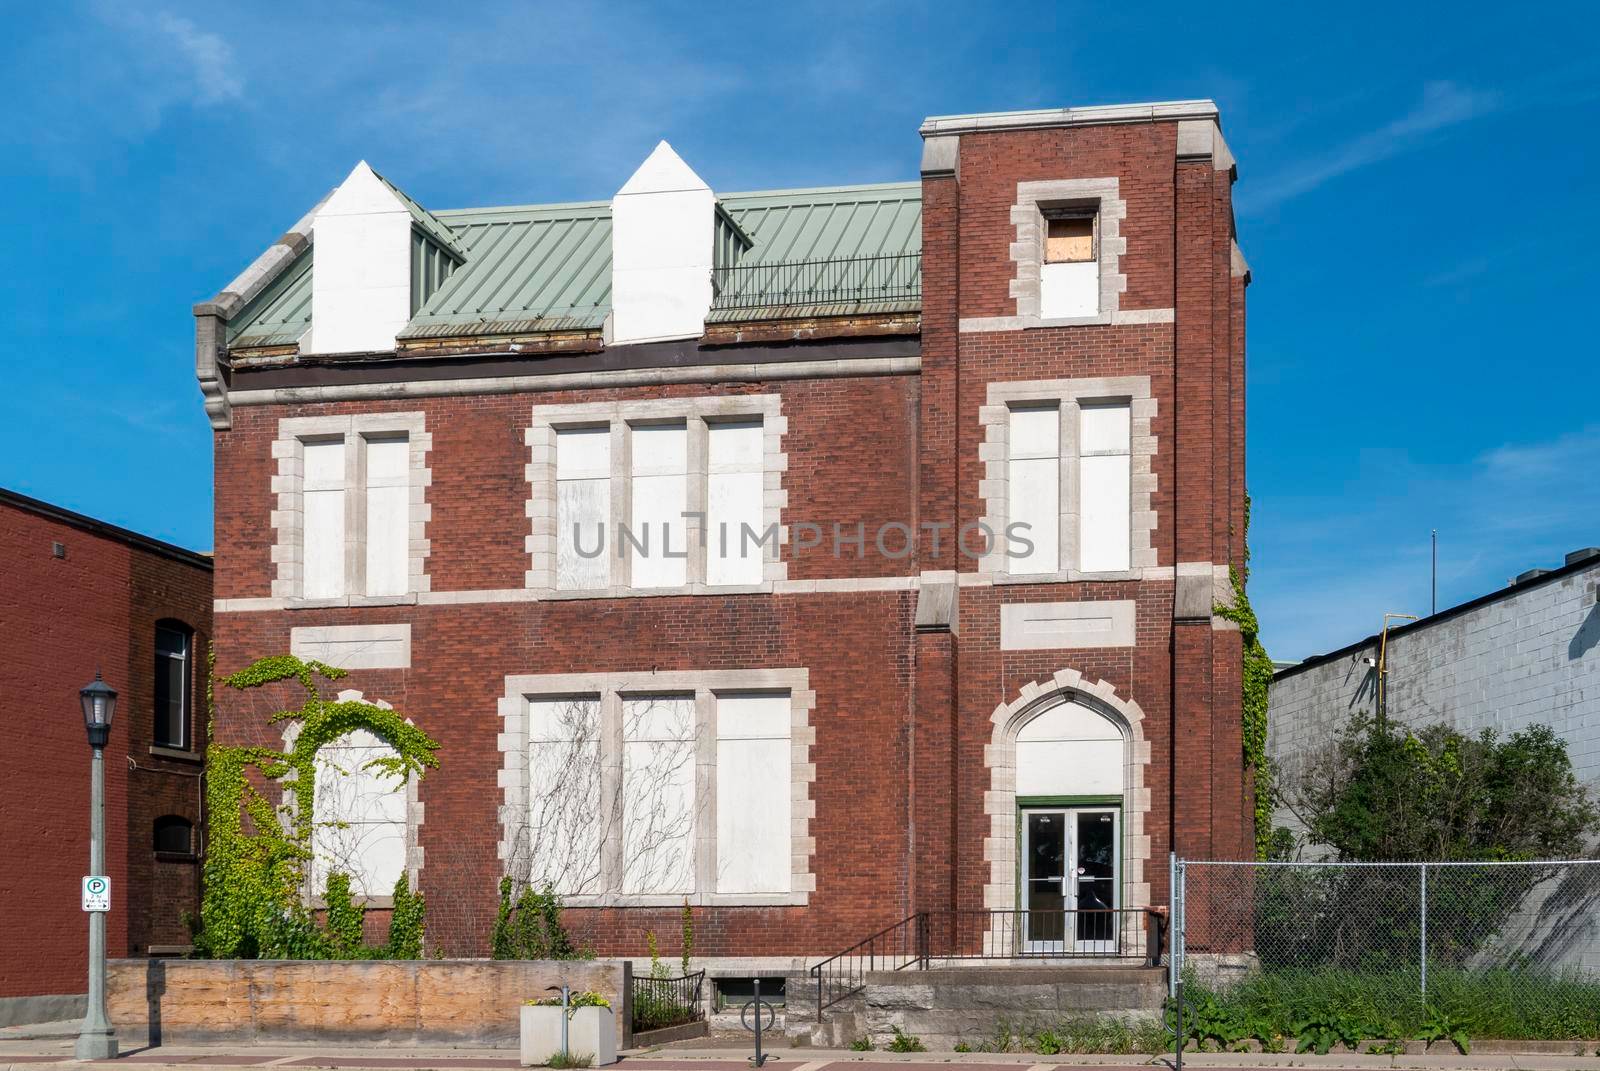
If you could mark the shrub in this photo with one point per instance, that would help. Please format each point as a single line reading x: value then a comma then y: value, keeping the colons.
x: 530, y: 927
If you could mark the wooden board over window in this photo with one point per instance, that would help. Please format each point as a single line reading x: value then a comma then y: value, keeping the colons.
x: 1069, y: 240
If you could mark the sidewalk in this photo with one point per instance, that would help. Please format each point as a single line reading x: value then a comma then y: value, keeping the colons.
x: 31, y: 1048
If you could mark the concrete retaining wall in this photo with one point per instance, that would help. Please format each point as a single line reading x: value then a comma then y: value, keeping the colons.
x: 456, y: 1002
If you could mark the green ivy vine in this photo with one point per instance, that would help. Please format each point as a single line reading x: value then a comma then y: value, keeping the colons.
x: 257, y: 851
x: 1257, y: 677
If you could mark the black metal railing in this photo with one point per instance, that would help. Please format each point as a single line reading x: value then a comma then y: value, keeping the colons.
x: 931, y: 939
x: 661, y: 1002
x: 893, y: 948
x: 847, y: 280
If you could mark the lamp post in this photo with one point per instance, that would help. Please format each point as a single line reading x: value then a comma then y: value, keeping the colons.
x: 97, y: 1038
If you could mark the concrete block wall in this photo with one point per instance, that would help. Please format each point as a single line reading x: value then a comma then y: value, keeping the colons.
x: 1528, y: 657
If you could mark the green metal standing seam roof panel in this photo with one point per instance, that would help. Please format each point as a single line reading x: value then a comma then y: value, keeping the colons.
x: 534, y: 268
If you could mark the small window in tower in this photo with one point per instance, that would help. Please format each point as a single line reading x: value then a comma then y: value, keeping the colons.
x: 1069, y: 239
x: 174, y: 835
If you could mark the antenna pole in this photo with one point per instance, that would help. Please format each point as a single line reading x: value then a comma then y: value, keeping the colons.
x: 1433, y: 604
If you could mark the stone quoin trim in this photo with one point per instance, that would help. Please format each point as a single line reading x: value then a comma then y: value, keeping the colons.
x: 288, y: 450
x: 1000, y: 801
x: 696, y: 412
x: 414, y: 814
x: 610, y: 688
x: 1070, y: 394
x: 1027, y: 253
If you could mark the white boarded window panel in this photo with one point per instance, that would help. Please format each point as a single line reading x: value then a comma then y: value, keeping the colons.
x: 1069, y: 750
x: 388, y: 521
x: 359, y: 817
x: 1104, y: 487
x: 1033, y: 488
x: 753, y: 793
x: 660, y: 490
x: 733, y: 503
x: 322, y: 502
x: 583, y: 508
x: 565, y: 812
x: 658, y: 773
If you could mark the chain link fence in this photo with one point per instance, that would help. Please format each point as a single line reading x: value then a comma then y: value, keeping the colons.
x: 1502, y: 949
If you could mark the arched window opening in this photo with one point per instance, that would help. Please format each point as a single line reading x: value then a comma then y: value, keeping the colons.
x: 174, y: 835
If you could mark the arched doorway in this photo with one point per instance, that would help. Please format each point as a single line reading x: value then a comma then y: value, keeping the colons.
x: 1070, y: 749
x: 1071, y: 762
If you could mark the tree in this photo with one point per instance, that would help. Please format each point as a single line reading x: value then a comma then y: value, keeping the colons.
x: 1391, y: 794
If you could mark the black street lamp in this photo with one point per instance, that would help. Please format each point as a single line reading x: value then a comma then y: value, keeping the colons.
x: 97, y: 1038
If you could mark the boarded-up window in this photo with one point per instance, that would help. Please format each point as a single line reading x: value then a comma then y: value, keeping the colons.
x: 1104, y: 487
x: 583, y: 507
x: 1033, y: 489
x: 658, y: 532
x: 388, y: 486
x: 733, y: 496
x: 359, y: 819
x: 753, y: 792
x: 323, y: 506
x: 1069, y: 239
x: 565, y: 815
x: 658, y: 793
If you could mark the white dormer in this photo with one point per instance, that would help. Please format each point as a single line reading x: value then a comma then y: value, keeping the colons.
x: 661, y: 241
x: 361, y: 280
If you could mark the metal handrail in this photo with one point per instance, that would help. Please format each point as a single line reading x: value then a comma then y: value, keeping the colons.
x: 847, y: 972
x: 897, y: 277
x: 1127, y: 933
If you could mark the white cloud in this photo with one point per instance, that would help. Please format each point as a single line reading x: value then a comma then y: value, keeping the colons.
x: 1443, y: 104
x: 209, y: 58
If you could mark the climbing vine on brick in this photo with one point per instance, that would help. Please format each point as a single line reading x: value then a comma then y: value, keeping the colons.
x: 1257, y: 677
x: 258, y: 851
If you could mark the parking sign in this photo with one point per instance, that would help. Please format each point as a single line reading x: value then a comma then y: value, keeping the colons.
x: 97, y: 893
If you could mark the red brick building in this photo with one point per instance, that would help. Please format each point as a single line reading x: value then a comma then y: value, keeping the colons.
x: 78, y: 596
x: 949, y: 474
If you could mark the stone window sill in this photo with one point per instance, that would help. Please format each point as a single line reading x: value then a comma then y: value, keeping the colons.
x: 176, y: 754
x: 343, y: 601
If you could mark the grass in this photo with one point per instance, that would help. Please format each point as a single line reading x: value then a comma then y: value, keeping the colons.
x: 561, y: 1061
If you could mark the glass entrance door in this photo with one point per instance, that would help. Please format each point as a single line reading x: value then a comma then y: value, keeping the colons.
x: 1070, y: 880
x: 1044, y: 880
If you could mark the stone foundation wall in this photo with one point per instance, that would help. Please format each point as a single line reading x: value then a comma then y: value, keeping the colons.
x: 455, y: 1002
x: 948, y: 1006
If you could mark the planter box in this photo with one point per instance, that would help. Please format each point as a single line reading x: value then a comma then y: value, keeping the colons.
x: 589, y: 1030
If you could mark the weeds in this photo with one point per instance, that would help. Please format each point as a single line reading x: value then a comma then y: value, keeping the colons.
x: 563, y: 1060
x: 903, y: 1042
x: 1317, y: 1010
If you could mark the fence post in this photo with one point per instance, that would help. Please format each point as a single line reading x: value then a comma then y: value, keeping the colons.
x: 1172, y: 923
x: 1424, y: 935
x: 1180, y: 926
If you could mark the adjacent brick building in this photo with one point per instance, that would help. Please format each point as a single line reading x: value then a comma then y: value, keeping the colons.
x: 422, y: 430
x: 78, y: 596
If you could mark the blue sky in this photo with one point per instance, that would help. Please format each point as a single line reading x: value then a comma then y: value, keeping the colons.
x: 1416, y: 198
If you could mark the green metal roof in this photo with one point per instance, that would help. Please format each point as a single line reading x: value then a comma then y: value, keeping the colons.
x: 427, y: 221
x: 533, y: 268
x: 528, y: 269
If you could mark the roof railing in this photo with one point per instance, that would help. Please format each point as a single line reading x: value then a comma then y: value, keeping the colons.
x: 843, y: 281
